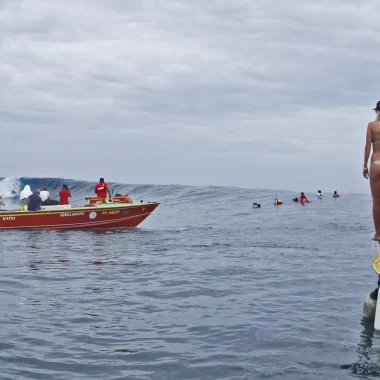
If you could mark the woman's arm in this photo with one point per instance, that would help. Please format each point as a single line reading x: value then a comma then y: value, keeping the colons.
x: 367, y: 150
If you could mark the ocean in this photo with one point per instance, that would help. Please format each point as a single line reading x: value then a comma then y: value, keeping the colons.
x: 206, y: 288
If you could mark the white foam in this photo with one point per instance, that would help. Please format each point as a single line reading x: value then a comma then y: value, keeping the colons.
x: 9, y: 184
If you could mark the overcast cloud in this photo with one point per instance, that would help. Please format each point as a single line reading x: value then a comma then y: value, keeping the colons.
x: 252, y: 93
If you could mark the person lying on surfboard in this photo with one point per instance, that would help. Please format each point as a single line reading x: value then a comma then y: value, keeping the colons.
x: 303, y: 198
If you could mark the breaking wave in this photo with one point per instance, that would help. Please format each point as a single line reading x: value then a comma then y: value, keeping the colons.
x: 10, y: 188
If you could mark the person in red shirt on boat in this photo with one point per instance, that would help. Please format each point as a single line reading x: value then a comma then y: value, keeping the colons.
x: 64, y: 195
x: 102, y: 188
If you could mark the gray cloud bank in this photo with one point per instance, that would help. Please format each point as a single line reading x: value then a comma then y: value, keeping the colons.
x: 262, y: 94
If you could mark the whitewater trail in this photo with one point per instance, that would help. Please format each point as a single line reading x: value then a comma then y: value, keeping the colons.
x: 9, y: 187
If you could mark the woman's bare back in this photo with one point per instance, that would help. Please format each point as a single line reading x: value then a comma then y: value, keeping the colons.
x: 374, y: 127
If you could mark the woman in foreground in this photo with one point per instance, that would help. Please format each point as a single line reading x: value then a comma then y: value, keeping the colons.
x: 373, y: 136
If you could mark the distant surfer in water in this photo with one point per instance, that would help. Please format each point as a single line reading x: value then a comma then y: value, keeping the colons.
x: 336, y: 195
x: 373, y: 139
x: 303, y: 198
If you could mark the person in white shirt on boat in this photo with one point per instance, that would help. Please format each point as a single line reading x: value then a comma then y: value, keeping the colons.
x: 24, y: 195
x: 44, y: 194
x: 1, y: 202
x: 320, y: 194
x: 45, y: 198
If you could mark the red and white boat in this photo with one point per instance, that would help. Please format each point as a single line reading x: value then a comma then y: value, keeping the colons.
x: 96, y: 214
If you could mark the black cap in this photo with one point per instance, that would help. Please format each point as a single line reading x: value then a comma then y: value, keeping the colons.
x: 377, y: 108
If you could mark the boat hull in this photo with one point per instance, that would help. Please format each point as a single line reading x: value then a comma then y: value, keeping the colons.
x: 100, y: 216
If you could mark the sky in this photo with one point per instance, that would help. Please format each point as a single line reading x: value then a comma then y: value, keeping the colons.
x: 250, y: 93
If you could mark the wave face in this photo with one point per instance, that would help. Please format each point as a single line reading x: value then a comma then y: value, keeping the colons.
x: 10, y: 187
x: 171, y: 193
x: 196, y: 196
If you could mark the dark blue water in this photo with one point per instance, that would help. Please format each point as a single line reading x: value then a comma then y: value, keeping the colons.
x: 205, y: 288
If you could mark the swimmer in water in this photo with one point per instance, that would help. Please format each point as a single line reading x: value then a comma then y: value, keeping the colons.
x: 320, y: 194
x: 303, y: 198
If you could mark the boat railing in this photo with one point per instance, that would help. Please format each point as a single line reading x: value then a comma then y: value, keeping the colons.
x: 55, y: 207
